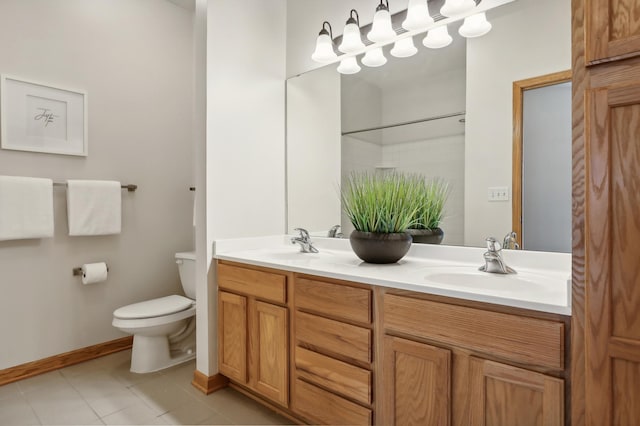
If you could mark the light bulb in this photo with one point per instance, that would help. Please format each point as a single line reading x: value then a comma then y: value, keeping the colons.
x: 457, y: 7
x: 381, y: 29
x: 475, y: 26
x: 404, y: 48
x: 351, y: 38
x: 324, y: 49
x: 437, y: 38
x: 349, y: 66
x: 418, y: 16
x: 374, y: 58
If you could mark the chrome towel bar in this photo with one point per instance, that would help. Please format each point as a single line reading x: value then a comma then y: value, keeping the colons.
x: 129, y: 187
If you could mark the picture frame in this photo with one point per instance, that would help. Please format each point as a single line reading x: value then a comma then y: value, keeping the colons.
x: 40, y: 117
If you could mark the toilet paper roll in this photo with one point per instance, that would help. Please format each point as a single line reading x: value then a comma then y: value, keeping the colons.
x: 94, y: 273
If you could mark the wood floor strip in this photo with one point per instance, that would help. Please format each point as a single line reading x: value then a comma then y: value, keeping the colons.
x: 206, y: 384
x: 34, y: 368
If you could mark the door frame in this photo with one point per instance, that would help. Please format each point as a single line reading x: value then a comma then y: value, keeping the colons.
x: 519, y: 87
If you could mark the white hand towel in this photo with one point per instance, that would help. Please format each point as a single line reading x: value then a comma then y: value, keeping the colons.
x: 94, y: 207
x: 26, y: 208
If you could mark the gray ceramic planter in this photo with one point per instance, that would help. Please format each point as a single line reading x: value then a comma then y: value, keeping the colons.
x: 376, y: 247
x: 426, y: 236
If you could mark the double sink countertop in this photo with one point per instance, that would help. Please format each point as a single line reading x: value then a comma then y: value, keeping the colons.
x: 542, y: 282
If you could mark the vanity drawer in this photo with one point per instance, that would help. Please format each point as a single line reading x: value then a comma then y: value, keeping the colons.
x: 335, y: 300
x: 345, y: 379
x: 520, y: 339
x: 263, y: 285
x: 323, y: 407
x: 333, y: 336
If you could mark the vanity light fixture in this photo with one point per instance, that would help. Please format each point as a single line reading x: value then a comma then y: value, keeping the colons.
x: 475, y: 26
x: 349, y: 65
x: 437, y: 38
x: 381, y: 29
x: 324, y: 45
x: 457, y: 7
x: 374, y: 58
x: 417, y: 20
x: 351, y: 38
x: 404, y: 48
x: 418, y: 16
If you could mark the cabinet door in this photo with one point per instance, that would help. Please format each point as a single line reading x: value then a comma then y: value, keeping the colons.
x: 417, y: 383
x: 502, y: 395
x: 612, y: 323
x: 232, y: 336
x: 612, y: 29
x: 269, y: 353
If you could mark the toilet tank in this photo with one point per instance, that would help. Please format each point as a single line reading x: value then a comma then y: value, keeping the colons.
x: 187, y: 268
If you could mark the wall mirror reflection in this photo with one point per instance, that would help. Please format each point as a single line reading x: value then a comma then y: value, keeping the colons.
x: 444, y: 113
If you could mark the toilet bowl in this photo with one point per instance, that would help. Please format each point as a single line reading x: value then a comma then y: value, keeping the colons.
x: 164, y: 328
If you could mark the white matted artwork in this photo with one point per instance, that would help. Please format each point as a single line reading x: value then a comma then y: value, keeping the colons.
x: 41, y: 118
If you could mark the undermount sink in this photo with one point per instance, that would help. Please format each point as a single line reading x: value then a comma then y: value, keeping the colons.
x: 294, y: 255
x: 470, y: 277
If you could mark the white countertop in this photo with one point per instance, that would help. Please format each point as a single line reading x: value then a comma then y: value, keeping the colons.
x: 542, y: 282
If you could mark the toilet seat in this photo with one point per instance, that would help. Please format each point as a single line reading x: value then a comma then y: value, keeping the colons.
x: 154, y: 308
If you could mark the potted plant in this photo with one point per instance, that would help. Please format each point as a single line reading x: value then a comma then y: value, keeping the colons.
x: 425, y: 227
x: 381, y: 207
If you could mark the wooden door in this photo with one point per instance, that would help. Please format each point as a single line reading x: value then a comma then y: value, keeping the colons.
x: 417, y: 384
x: 612, y: 326
x: 269, y: 352
x: 232, y: 336
x: 502, y: 395
x: 613, y: 29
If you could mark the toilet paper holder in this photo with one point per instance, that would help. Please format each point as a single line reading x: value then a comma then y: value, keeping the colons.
x: 78, y: 271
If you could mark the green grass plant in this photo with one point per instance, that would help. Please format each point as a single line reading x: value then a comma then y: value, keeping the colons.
x: 434, y: 195
x: 382, y: 202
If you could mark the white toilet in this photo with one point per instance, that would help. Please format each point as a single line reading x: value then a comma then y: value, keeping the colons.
x: 163, y: 329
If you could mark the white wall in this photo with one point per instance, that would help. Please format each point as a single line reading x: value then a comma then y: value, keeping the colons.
x: 313, y: 151
x: 134, y: 59
x: 245, y: 152
x: 204, y: 311
x: 529, y: 38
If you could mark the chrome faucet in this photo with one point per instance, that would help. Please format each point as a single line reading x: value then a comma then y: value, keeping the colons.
x: 511, y: 241
x: 333, y: 232
x: 493, y: 259
x: 306, y: 246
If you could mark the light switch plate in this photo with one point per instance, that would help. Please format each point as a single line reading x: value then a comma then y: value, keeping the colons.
x: 498, y: 193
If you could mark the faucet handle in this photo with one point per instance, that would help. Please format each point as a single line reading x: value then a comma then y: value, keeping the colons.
x: 511, y: 241
x: 333, y: 232
x: 493, y: 245
x: 304, y: 234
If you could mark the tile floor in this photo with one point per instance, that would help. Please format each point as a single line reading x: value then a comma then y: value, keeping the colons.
x: 103, y: 391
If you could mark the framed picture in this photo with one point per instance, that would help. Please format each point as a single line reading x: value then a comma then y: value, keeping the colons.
x: 41, y: 118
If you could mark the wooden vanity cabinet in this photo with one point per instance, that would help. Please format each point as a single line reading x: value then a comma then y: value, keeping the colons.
x: 417, y: 379
x: 363, y: 355
x: 501, y: 394
x: 606, y: 201
x: 253, y: 330
x: 612, y: 29
x: 448, y: 364
x: 332, y: 340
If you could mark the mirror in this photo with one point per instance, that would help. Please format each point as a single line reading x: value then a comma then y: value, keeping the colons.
x: 445, y: 112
